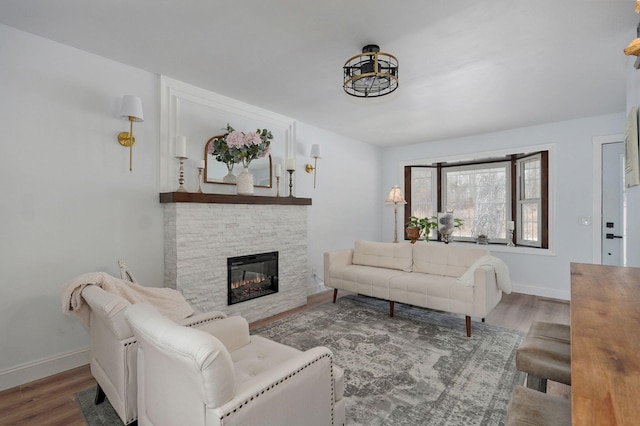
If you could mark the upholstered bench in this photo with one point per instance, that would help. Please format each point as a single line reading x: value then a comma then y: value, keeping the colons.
x: 531, y: 408
x: 545, y: 354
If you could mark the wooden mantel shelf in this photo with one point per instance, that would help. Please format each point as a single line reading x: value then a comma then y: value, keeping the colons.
x: 195, y: 197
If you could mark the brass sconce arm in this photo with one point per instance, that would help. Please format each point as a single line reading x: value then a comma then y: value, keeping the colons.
x: 127, y: 139
x: 131, y: 109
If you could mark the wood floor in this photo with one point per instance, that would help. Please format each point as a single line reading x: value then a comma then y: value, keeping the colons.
x: 51, y: 401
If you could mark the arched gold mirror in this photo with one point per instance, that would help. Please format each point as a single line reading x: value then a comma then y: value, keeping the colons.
x: 218, y: 172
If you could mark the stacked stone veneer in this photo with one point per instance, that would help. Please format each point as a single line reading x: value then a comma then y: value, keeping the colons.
x: 199, y: 237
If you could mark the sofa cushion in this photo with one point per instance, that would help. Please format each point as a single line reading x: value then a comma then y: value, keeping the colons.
x: 449, y: 260
x: 383, y: 255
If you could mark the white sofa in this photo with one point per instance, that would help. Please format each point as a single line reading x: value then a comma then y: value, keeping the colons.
x: 221, y: 375
x: 425, y: 274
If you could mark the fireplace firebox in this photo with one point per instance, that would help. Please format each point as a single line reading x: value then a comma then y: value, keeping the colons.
x: 252, y: 276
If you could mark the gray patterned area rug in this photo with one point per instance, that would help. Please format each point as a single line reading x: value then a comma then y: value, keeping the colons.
x: 417, y: 368
x: 97, y: 415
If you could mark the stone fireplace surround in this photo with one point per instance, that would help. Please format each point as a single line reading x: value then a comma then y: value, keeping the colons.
x: 203, y: 230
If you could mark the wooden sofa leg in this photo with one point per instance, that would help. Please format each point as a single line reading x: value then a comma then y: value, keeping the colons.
x: 468, y: 321
x: 335, y: 294
x: 99, y: 398
x: 391, y: 305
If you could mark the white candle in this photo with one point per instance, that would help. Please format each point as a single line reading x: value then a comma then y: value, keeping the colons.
x: 200, y: 164
x: 510, y: 226
x: 291, y: 164
x: 181, y: 146
x: 278, y: 170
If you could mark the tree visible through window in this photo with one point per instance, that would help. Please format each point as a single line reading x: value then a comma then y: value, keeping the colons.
x: 486, y: 195
x: 478, y: 195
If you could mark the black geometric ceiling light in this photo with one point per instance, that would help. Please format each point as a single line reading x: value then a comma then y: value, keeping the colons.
x: 371, y: 73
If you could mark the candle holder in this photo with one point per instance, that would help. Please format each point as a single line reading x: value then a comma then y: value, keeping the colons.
x: 510, y: 243
x: 181, y: 178
x: 200, y: 170
x: 290, y: 182
x: 277, y: 186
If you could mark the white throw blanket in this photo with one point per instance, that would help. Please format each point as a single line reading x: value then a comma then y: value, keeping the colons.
x: 169, y: 302
x: 502, y: 273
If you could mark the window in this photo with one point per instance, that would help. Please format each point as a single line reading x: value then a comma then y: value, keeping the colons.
x: 422, y: 193
x: 486, y: 195
x: 478, y: 194
x: 529, y: 212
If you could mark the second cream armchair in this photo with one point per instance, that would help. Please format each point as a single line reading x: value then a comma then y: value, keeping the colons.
x: 188, y: 376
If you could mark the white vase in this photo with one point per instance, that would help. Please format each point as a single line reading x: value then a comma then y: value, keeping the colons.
x: 244, y: 182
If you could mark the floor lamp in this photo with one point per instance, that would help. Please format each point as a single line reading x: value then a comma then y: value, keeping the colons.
x: 395, y: 197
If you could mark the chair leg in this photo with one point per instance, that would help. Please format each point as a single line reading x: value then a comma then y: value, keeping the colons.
x: 335, y: 294
x: 468, y: 323
x: 99, y: 398
x: 391, y: 306
x: 537, y: 383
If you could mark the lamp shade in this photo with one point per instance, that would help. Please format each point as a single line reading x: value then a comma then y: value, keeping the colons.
x: 395, y: 196
x: 315, y: 151
x: 131, y: 107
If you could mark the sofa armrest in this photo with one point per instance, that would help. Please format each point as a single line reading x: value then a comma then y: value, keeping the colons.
x: 487, y: 293
x: 303, y: 384
x: 233, y: 332
x: 334, y: 259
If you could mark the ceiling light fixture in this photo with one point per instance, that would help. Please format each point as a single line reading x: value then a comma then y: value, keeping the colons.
x: 370, y: 74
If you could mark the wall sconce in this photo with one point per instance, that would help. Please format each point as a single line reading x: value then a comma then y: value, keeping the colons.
x: 131, y: 110
x: 315, y: 154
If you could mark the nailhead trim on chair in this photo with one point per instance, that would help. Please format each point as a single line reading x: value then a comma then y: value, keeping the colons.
x: 284, y: 379
x: 204, y: 321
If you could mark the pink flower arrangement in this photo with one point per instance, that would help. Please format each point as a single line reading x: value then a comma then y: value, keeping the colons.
x: 239, y: 147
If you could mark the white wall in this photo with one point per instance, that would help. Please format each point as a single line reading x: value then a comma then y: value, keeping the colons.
x: 548, y: 274
x: 69, y: 205
x: 68, y: 202
x: 632, y: 237
x: 347, y: 200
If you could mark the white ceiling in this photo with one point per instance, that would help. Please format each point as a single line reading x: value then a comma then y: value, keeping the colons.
x: 466, y: 67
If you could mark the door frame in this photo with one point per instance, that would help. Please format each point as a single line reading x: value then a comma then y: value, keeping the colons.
x: 596, y: 223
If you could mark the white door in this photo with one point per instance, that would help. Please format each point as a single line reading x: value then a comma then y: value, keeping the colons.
x: 612, y: 204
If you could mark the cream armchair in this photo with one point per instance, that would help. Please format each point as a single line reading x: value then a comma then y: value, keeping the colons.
x: 114, y: 349
x: 189, y: 377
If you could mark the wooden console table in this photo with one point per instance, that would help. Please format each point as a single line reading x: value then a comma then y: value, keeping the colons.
x: 605, y: 345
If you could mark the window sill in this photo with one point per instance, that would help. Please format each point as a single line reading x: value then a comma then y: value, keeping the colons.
x: 503, y: 248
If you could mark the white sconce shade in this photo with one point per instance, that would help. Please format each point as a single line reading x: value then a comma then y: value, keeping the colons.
x: 315, y: 151
x: 131, y: 107
x: 315, y: 154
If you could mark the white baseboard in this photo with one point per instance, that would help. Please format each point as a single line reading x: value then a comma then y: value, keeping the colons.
x: 541, y: 291
x: 40, y: 369
x: 316, y: 287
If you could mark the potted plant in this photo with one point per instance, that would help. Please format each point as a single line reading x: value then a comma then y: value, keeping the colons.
x: 416, y: 227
